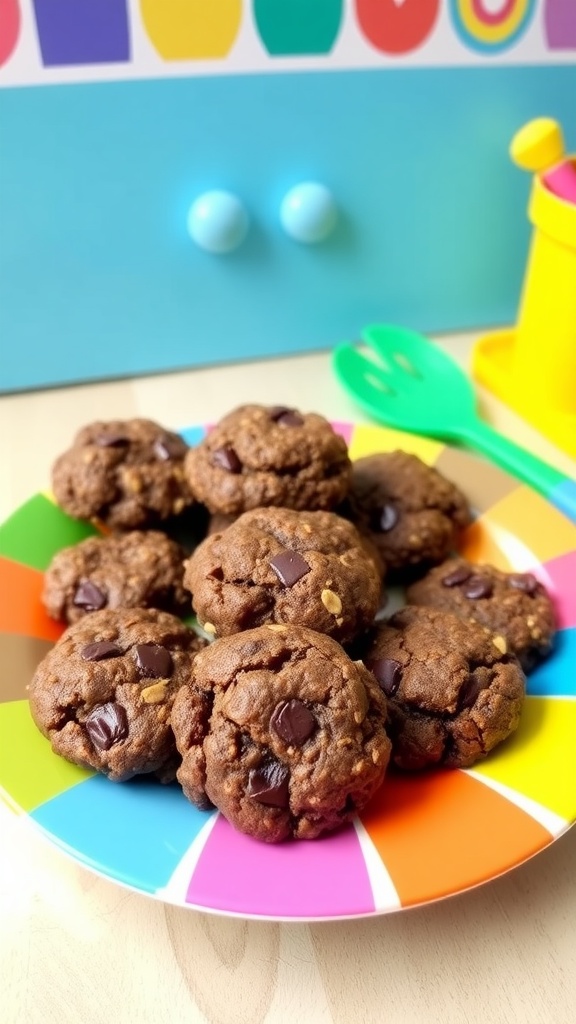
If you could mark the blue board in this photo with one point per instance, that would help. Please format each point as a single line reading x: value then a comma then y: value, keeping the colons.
x: 99, y: 277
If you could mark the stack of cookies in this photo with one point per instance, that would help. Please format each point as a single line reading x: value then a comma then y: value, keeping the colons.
x: 287, y: 710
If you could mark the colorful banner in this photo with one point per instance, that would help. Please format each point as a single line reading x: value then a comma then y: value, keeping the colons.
x: 560, y: 24
x: 195, y: 30
x: 49, y: 41
x: 298, y: 26
x: 486, y: 29
x: 394, y: 27
x: 9, y: 28
x: 85, y: 32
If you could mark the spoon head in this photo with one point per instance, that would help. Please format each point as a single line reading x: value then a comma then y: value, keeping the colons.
x: 404, y: 380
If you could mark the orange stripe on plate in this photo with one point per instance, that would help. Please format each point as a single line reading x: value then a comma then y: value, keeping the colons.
x: 441, y: 832
x: 21, y: 610
x: 479, y: 545
x: 535, y: 522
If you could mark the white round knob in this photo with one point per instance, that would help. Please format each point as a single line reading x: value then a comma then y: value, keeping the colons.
x: 308, y: 212
x: 217, y: 221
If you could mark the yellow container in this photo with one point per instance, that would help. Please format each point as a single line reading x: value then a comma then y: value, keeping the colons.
x: 533, y: 367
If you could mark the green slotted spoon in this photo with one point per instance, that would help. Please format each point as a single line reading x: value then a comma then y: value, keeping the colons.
x: 407, y: 382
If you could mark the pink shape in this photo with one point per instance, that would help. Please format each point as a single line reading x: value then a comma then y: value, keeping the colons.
x: 9, y: 28
x: 325, y: 877
x: 344, y: 429
x: 561, y: 180
x: 559, y: 577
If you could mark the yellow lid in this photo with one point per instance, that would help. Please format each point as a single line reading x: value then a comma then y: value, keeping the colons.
x: 538, y: 145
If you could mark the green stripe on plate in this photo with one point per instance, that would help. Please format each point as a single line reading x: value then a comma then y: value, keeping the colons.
x: 37, y: 530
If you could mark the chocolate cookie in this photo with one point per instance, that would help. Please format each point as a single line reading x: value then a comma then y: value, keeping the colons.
x: 453, y: 694
x: 413, y: 514
x: 103, y: 694
x: 269, y: 455
x: 282, y: 732
x: 218, y: 522
x: 140, y: 569
x: 278, y: 565
x: 514, y: 605
x: 127, y: 473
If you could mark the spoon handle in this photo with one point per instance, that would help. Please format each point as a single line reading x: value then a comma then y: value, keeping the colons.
x: 555, y: 486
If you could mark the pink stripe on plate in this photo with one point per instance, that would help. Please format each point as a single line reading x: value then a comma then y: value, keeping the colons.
x: 344, y: 429
x: 323, y: 877
x: 558, y: 576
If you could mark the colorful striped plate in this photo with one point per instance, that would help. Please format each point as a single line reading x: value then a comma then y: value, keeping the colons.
x: 423, y: 838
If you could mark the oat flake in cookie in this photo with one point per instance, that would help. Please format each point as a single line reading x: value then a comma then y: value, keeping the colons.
x: 412, y: 513
x: 278, y: 565
x: 139, y: 569
x: 514, y: 605
x: 269, y: 455
x: 453, y: 694
x: 127, y: 473
x: 103, y: 694
x: 282, y: 732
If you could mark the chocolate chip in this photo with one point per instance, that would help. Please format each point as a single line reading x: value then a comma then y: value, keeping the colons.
x: 385, y: 518
x: 227, y: 459
x: 293, y: 722
x: 290, y: 419
x: 269, y: 784
x: 111, y: 441
x: 287, y: 417
x: 106, y: 725
x: 100, y: 651
x: 167, y: 447
x: 89, y: 597
x: 523, y: 581
x: 469, y: 691
x: 289, y: 567
x: 246, y: 743
x: 388, y: 674
x: 457, y: 576
x: 277, y: 411
x: 477, y: 587
x: 153, y: 661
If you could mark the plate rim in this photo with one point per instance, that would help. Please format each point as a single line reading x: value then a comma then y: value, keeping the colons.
x: 161, y: 894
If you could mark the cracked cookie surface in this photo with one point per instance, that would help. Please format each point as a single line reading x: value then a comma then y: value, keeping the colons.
x: 138, y: 569
x: 282, y: 732
x: 514, y: 605
x: 411, y: 512
x: 103, y: 694
x: 278, y: 565
x: 453, y: 695
x: 127, y: 473
x: 269, y: 455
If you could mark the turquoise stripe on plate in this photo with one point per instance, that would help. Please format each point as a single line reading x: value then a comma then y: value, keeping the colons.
x: 564, y: 497
x: 556, y: 677
x: 193, y: 435
x: 135, y: 832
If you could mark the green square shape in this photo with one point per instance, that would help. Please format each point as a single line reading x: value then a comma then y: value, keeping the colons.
x: 37, y: 530
x: 30, y: 772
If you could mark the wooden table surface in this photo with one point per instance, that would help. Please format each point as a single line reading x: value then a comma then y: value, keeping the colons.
x: 78, y: 949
